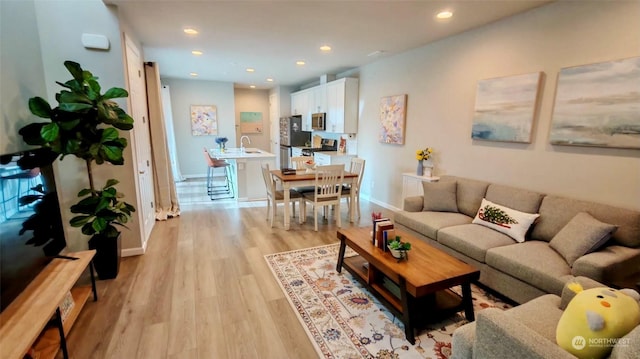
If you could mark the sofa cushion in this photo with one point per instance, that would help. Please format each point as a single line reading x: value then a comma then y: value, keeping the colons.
x: 583, y: 234
x: 533, y: 262
x: 503, y: 219
x: 556, y: 212
x: 440, y: 196
x: 428, y: 223
x: 516, y: 198
x: 472, y: 240
x: 469, y: 195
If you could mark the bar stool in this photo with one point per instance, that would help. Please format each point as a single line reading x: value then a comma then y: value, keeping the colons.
x: 214, y: 189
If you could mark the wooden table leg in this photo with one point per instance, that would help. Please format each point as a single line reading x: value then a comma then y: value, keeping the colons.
x: 467, y: 300
x: 343, y: 246
x: 407, y: 304
x: 287, y: 203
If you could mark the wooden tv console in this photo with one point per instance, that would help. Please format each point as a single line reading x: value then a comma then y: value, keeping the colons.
x: 23, y: 324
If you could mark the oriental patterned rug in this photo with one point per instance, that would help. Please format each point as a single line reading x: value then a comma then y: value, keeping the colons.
x: 343, y: 320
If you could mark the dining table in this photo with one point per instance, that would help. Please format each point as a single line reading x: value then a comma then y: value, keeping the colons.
x: 308, y: 178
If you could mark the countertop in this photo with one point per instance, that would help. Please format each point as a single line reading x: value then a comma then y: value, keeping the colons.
x: 335, y: 153
x: 235, y: 153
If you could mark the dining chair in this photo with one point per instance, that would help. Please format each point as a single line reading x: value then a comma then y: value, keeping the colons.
x: 212, y: 165
x: 298, y: 164
x: 328, y: 189
x: 356, y: 166
x: 275, y: 196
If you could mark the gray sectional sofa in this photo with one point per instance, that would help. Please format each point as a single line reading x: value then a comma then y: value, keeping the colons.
x: 522, y: 271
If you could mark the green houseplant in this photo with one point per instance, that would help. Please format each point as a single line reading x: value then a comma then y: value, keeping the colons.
x: 398, y: 248
x: 85, y: 124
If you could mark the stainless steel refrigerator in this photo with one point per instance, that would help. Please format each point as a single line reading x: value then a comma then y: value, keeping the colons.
x: 291, y: 135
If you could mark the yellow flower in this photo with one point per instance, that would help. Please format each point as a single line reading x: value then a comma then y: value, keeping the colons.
x: 425, y: 154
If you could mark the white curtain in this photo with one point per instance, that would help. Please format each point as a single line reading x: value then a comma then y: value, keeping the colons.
x: 165, y: 188
x: 171, y: 137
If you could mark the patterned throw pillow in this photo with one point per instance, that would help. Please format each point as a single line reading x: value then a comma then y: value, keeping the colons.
x: 506, y: 220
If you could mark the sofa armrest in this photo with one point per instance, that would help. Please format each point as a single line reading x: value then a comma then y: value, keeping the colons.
x: 627, y: 347
x: 568, y: 294
x: 608, y: 264
x: 413, y: 204
x: 499, y: 335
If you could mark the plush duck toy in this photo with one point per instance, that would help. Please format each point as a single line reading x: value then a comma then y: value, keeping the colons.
x: 595, y: 318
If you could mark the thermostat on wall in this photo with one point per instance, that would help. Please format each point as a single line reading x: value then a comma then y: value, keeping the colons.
x: 94, y: 41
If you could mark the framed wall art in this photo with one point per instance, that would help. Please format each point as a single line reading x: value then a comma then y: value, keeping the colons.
x: 598, y: 105
x: 505, y: 108
x: 393, y: 112
x: 251, y: 122
x: 204, y: 120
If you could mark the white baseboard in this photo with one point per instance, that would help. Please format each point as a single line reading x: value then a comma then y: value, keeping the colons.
x: 379, y: 203
x: 130, y: 252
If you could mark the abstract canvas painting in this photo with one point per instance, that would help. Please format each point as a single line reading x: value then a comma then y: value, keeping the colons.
x: 393, y: 110
x: 505, y: 108
x: 251, y: 122
x: 204, y: 120
x: 598, y: 105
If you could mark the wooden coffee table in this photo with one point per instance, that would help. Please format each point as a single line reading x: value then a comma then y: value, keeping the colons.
x: 413, y: 289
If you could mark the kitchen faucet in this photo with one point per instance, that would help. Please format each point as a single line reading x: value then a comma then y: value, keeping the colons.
x: 242, y: 143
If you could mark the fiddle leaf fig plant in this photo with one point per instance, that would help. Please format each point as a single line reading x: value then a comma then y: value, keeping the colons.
x: 85, y: 124
x: 101, y: 210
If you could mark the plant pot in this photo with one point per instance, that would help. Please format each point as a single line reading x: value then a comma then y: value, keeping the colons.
x: 398, y: 253
x: 107, y: 258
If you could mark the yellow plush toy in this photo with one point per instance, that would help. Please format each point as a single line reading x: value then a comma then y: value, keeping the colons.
x: 595, y: 319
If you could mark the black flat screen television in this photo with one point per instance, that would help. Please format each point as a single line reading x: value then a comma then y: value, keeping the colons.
x: 31, y: 229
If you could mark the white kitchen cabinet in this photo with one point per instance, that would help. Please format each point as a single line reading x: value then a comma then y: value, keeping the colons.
x: 342, y: 105
x: 332, y: 158
x: 318, y: 99
x: 300, y: 106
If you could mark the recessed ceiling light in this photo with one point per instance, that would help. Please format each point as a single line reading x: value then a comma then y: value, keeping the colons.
x: 325, y: 48
x: 445, y: 14
x: 269, y: 79
x: 376, y: 53
x: 193, y: 74
x: 249, y: 69
x: 253, y: 86
x: 196, y: 52
x: 300, y: 63
x: 190, y: 31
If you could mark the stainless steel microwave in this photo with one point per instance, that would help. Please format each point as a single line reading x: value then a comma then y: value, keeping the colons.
x: 318, y: 121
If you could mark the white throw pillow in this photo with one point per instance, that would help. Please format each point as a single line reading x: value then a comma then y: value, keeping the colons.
x: 506, y: 220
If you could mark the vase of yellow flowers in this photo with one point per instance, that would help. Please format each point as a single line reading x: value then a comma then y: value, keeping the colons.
x: 424, y: 155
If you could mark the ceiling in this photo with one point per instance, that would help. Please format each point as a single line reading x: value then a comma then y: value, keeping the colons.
x: 270, y: 36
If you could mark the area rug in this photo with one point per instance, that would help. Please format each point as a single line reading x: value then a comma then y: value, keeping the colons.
x: 343, y: 320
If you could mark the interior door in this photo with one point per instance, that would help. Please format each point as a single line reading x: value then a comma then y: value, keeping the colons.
x: 274, y: 123
x: 140, y: 139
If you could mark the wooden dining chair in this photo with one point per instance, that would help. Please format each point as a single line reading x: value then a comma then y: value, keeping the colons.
x: 328, y: 190
x: 212, y: 165
x: 356, y: 166
x: 298, y: 164
x: 275, y: 196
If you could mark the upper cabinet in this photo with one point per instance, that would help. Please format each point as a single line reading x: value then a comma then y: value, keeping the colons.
x: 318, y: 99
x: 342, y: 104
x: 338, y: 99
x: 300, y: 107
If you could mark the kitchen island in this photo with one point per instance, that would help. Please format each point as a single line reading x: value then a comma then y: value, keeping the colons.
x: 245, y: 169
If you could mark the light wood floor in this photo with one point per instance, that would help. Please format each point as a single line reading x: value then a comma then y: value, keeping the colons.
x: 203, y: 289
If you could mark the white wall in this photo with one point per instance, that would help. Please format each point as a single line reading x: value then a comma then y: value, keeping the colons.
x: 440, y: 80
x: 52, y: 35
x: 20, y: 70
x: 185, y: 93
x: 250, y: 100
